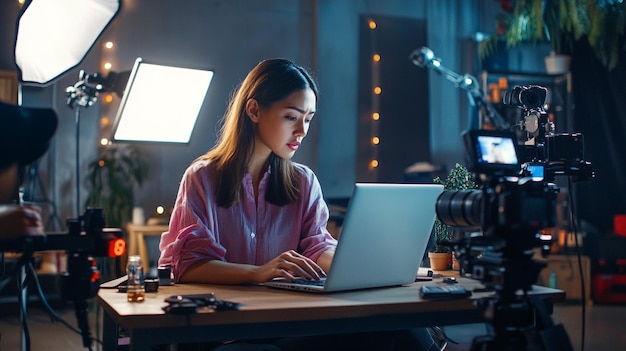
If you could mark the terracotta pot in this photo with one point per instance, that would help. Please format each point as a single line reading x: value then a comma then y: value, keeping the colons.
x: 439, y: 261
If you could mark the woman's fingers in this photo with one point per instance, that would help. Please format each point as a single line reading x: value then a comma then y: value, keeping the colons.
x: 301, y: 265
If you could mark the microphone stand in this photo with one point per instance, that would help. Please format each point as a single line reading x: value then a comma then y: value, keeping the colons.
x: 425, y: 57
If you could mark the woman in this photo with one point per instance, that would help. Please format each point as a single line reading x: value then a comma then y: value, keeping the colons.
x: 245, y: 213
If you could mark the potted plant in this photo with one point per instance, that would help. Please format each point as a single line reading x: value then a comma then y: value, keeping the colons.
x: 112, y: 180
x: 560, y: 23
x: 459, y: 178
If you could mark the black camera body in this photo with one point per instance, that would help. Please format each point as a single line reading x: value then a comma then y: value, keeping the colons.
x: 513, y: 209
x: 510, y: 208
x: 562, y: 153
x: 512, y: 204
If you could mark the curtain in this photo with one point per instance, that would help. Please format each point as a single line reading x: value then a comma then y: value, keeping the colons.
x: 600, y: 114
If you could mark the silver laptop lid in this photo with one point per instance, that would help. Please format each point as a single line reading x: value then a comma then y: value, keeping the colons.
x: 384, y: 235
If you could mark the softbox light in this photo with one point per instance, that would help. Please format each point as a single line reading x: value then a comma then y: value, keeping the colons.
x: 160, y: 103
x: 54, y: 36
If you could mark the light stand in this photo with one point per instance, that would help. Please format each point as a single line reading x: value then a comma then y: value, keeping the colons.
x: 425, y: 57
x: 83, y: 94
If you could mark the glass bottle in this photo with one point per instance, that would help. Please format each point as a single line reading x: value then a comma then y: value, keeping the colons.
x: 135, y: 289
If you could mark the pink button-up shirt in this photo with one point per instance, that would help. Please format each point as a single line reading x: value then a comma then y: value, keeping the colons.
x: 200, y: 230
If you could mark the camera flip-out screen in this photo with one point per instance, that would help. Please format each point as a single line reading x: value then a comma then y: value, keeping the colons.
x: 492, y: 152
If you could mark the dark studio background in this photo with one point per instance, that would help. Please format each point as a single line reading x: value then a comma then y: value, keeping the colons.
x: 600, y: 114
x: 424, y: 116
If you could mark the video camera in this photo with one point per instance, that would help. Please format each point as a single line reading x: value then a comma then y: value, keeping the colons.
x: 508, y: 200
x: 502, y: 222
x: 506, y: 214
x: 518, y: 196
x: 86, y: 238
x: 509, y: 210
x: 558, y: 154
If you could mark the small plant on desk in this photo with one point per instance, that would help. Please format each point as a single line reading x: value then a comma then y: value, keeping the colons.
x: 459, y: 178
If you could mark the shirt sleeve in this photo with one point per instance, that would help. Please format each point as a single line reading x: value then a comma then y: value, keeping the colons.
x: 191, y: 237
x: 315, y: 237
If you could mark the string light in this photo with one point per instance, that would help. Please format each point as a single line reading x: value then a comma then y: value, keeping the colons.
x: 375, y: 140
x: 105, y: 121
x: 108, y: 44
x: 372, y: 24
x: 375, y: 116
x: 378, y: 90
x: 376, y: 58
x: 373, y: 164
x: 108, y: 66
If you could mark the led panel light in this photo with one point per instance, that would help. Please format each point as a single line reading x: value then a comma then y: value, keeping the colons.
x: 160, y: 103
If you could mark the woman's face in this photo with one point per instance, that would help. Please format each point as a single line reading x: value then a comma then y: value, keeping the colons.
x: 282, y: 126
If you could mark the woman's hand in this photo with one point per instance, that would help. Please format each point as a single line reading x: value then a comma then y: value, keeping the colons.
x: 16, y: 221
x: 289, y: 265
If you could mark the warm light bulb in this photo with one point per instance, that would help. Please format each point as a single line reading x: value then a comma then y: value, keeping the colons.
x: 104, y: 141
x: 376, y: 116
x: 108, y: 44
x: 105, y: 121
x: 376, y: 57
x: 378, y: 90
x: 107, y: 65
x: 375, y: 140
x: 108, y: 98
x: 372, y: 24
x: 160, y: 210
x: 373, y: 164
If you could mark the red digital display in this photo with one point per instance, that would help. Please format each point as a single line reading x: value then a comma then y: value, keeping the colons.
x: 117, y: 247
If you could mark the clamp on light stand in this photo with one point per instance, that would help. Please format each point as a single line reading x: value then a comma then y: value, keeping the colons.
x: 84, y: 92
x: 425, y: 58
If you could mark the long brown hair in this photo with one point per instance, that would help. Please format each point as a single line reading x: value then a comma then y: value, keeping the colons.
x: 270, y: 81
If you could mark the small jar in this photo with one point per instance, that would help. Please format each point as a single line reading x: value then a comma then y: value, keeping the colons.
x: 135, y: 289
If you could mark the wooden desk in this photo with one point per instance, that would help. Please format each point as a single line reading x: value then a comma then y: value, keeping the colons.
x: 268, y: 313
x: 136, y: 239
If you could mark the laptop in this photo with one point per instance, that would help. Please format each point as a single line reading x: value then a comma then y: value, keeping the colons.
x: 384, y: 236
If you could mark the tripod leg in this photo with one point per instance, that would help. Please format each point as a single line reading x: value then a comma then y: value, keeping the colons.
x: 553, y: 337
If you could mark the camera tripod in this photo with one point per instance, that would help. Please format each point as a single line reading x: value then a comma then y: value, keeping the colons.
x: 519, y: 321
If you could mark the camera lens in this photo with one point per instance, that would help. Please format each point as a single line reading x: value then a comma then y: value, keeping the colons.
x: 532, y: 97
x: 529, y: 97
x: 460, y: 208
